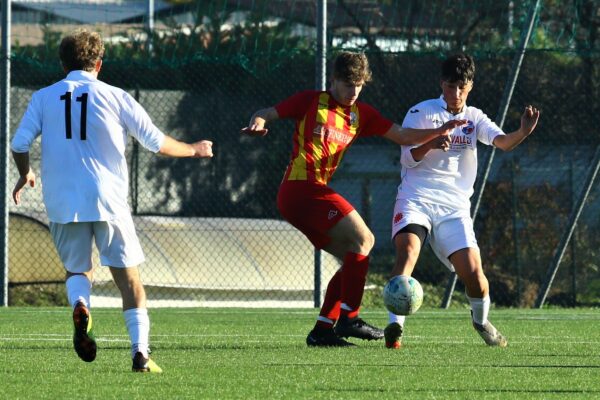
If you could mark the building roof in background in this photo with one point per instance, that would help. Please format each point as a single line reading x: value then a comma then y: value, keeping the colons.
x: 345, y: 17
x: 94, y: 11
x: 348, y: 12
x: 340, y: 13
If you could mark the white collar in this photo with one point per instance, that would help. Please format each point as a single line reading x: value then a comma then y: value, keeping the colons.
x: 81, y: 74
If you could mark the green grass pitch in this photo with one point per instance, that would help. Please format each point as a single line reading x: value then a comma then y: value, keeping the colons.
x: 261, y: 354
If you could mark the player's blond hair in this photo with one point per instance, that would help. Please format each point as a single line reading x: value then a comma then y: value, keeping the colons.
x: 80, y: 50
x: 352, y: 68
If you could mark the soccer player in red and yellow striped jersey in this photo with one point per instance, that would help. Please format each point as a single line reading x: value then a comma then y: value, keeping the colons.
x: 327, y: 123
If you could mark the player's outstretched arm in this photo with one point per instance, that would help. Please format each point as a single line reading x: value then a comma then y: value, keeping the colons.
x: 529, y: 120
x: 256, y: 126
x: 26, y: 175
x: 174, y: 148
x: 411, y: 136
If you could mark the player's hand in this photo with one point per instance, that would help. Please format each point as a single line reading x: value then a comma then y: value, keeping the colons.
x: 441, y: 142
x: 203, y: 149
x: 28, y: 179
x: 449, y: 126
x: 254, y: 131
x: 529, y: 119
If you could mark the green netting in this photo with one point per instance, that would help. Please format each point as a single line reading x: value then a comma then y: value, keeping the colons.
x: 207, y: 65
x: 245, y: 31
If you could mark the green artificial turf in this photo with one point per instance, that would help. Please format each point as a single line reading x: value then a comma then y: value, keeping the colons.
x: 261, y: 354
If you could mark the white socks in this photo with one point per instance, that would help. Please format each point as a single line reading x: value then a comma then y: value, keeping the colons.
x: 136, y: 319
x: 480, y: 308
x: 79, y: 288
x: 397, y: 318
x: 138, y: 326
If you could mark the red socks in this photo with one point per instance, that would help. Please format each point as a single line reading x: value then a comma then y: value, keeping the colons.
x: 354, y: 276
x: 330, y: 310
x: 344, y: 291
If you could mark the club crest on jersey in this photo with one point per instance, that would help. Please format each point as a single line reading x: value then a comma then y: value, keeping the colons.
x: 468, y: 128
x: 332, y: 214
x: 319, y: 130
x: 353, y: 118
x: 398, y: 217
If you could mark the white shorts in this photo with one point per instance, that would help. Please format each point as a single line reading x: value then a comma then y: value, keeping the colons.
x: 449, y: 229
x: 117, y: 243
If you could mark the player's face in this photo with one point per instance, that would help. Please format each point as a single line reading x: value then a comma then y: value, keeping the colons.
x: 344, y: 92
x: 455, y: 94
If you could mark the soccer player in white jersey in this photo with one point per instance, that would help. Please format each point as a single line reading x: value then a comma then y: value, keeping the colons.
x: 437, y: 183
x: 84, y: 125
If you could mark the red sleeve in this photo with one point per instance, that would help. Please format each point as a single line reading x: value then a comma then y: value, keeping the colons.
x: 372, y: 122
x: 296, y: 105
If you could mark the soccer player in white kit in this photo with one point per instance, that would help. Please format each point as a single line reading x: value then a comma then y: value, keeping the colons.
x: 84, y: 125
x: 437, y: 183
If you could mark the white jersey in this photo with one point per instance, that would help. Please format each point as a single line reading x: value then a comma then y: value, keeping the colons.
x: 84, y: 124
x: 445, y: 178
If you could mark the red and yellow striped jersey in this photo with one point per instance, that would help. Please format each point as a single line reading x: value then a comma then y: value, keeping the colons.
x: 324, y: 130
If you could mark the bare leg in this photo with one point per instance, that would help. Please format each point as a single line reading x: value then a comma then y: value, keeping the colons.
x: 467, y: 263
x: 408, y: 247
x: 350, y: 234
x: 130, y: 285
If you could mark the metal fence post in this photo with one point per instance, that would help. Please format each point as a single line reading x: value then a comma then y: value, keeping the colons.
x: 321, y: 81
x: 516, y: 222
x: 134, y: 171
x: 150, y: 26
x: 4, y: 143
x: 564, y: 241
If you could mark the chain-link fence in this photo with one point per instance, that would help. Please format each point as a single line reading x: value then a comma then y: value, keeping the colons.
x: 211, y: 230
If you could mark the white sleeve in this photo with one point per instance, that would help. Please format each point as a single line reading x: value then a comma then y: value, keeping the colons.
x: 139, y: 124
x: 487, y: 130
x: 414, y: 119
x: 30, y: 127
x: 406, y: 157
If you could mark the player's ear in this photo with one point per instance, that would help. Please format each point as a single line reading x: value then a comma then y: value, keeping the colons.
x: 98, y: 65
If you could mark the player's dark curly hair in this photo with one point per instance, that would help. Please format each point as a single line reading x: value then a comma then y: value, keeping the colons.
x: 459, y: 67
x: 80, y: 50
x: 352, y: 68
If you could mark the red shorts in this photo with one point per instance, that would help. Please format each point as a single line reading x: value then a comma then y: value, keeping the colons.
x: 312, y: 208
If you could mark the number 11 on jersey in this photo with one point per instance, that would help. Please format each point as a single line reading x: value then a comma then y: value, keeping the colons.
x: 83, y: 118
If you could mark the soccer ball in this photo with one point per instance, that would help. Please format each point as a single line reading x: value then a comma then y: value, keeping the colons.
x: 403, y: 295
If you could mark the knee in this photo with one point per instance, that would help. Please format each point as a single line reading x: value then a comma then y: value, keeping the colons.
x: 366, y: 242
x: 128, y: 282
x: 483, y: 283
x: 408, y: 247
